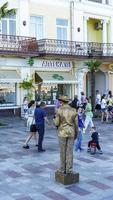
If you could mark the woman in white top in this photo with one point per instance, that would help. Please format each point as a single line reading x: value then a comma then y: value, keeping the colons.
x: 104, y: 108
x: 25, y: 105
x: 31, y: 121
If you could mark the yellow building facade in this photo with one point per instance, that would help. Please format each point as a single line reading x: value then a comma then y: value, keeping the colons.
x: 59, y: 36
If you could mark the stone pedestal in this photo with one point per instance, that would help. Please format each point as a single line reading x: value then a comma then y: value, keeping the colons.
x: 66, y: 179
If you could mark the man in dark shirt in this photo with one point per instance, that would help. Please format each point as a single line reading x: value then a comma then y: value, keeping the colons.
x: 40, y: 117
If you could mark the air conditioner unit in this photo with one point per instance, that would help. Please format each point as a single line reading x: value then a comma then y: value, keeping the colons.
x: 98, y: 26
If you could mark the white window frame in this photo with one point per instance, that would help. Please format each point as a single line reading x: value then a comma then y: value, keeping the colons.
x: 8, y: 19
x: 66, y: 27
x: 36, y: 16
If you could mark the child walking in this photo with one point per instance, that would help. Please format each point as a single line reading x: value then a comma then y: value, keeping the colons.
x: 95, y: 140
x: 80, y: 132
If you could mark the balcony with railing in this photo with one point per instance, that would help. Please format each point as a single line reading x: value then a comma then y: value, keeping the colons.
x: 18, y: 45
x: 52, y: 47
x: 107, y: 2
x: 29, y: 46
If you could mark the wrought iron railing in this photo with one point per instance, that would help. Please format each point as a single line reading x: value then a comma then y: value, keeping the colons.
x: 29, y: 46
x: 11, y: 44
x: 73, y: 48
x: 96, y: 1
x: 62, y: 47
x: 100, y: 1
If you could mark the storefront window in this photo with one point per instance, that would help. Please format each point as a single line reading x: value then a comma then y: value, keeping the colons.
x: 49, y: 92
x: 7, y: 94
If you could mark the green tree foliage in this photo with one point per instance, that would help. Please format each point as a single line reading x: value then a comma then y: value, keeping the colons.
x: 93, y: 67
x: 4, y: 11
x: 27, y: 84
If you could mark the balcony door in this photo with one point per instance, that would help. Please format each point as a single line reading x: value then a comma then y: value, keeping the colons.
x: 36, y: 27
x: 8, y: 25
x: 62, y: 29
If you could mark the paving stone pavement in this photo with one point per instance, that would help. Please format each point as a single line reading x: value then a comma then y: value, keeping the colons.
x: 26, y: 174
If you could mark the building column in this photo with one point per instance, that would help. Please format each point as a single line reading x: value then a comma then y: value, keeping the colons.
x: 81, y: 81
x: 104, y: 32
x: 111, y: 30
x: 104, y: 1
x: 85, y: 19
x: 104, y: 35
x: 72, y: 20
x: 111, y: 2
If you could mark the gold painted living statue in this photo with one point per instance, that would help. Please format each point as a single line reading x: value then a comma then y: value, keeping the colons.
x: 67, y: 122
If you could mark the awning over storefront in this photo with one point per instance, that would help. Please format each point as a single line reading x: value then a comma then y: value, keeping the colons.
x: 55, y: 78
x: 9, y: 76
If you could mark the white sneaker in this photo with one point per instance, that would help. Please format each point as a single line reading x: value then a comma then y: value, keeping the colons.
x: 100, y: 152
x: 88, y: 150
x: 84, y: 131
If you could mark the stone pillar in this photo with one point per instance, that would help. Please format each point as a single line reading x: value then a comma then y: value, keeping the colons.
x: 104, y: 32
x: 104, y: 1
x: 80, y: 84
x: 104, y: 36
x: 83, y: 1
x: 81, y: 74
x: 85, y: 19
x: 72, y: 20
x: 111, y: 30
x: 111, y: 2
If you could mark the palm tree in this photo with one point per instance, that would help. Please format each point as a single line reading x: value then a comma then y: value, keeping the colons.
x: 4, y: 11
x: 93, y: 67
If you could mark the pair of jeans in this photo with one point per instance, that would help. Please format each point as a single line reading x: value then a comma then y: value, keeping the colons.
x: 41, y: 130
x: 79, y: 140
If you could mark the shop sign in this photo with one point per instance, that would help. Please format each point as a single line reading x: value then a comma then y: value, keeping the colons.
x: 54, y: 64
x: 58, y: 77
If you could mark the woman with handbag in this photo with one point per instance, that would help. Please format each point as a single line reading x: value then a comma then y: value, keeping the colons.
x: 31, y: 124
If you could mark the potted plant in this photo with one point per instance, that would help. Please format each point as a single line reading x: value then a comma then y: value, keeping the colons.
x: 28, y: 85
x: 31, y: 61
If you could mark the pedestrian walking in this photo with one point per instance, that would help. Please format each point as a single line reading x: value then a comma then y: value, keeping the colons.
x: 104, y: 109
x: 40, y: 118
x: 75, y: 102
x: 83, y: 100
x: 78, y: 144
x: 25, y: 110
x: 67, y: 122
x: 25, y: 106
x: 109, y: 94
x: 57, y: 104
x: 98, y: 102
x: 30, y: 122
x: 88, y: 115
x: 110, y: 103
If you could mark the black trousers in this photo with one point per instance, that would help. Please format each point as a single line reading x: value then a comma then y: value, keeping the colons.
x: 97, y: 144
